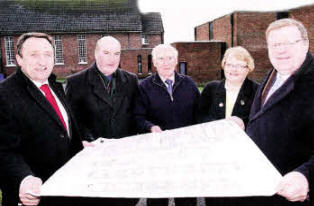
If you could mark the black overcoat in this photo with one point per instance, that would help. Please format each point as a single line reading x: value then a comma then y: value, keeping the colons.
x: 98, y: 114
x: 33, y: 141
x: 284, y: 127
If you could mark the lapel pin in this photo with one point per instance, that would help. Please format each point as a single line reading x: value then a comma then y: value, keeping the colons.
x: 242, y: 102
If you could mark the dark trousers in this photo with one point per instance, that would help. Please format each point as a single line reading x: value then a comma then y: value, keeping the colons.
x: 178, y: 202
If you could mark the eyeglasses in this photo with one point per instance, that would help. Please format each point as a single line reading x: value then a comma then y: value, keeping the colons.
x: 236, y: 66
x: 285, y: 44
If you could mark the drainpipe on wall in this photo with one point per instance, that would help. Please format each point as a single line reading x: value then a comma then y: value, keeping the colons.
x: 1, y: 65
x: 232, y: 28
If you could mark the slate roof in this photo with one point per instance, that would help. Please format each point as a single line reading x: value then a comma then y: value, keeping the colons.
x: 152, y: 23
x: 73, y: 16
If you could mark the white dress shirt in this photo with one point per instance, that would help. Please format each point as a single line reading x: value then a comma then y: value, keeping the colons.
x: 60, y: 105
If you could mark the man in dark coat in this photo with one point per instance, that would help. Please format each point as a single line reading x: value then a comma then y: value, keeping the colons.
x: 281, y: 120
x: 37, y: 130
x: 102, y: 99
x: 167, y: 100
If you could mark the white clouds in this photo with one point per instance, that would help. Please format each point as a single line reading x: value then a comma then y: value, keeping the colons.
x: 181, y: 16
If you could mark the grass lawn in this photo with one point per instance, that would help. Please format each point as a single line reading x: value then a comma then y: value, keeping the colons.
x: 200, y: 88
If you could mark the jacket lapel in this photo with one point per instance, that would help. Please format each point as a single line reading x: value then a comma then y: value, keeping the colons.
x: 242, y: 99
x: 279, y: 94
x: 257, y: 109
x: 158, y: 82
x: 177, y: 81
x: 59, y: 91
x: 257, y: 102
x: 36, y: 94
x: 273, y: 100
x: 98, y: 87
x: 121, y: 89
x: 220, y: 100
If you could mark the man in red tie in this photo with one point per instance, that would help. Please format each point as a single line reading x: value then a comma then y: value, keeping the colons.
x: 37, y: 131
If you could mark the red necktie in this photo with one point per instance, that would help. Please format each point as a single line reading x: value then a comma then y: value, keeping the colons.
x: 52, y: 101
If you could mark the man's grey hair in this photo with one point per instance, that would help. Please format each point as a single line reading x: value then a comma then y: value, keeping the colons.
x: 159, y: 47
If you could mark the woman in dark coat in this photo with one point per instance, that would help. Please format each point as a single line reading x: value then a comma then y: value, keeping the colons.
x: 229, y: 98
x: 233, y: 95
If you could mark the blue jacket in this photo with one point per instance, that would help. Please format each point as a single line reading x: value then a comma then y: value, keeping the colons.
x: 153, y: 105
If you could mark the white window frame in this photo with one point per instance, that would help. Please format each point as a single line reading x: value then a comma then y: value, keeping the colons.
x: 58, y: 50
x: 9, y: 51
x: 144, y: 39
x: 82, y: 52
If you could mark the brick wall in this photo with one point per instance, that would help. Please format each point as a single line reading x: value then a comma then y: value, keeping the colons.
x: 129, y: 61
x: 249, y: 32
x: 202, y: 32
x: 131, y: 45
x: 222, y: 29
x: 306, y: 16
x: 7, y: 69
x: 202, y: 58
x: 153, y: 40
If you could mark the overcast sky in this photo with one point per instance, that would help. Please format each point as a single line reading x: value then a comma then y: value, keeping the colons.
x: 181, y: 16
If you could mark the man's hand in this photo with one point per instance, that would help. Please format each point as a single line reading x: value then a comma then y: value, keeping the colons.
x: 155, y: 129
x: 294, y: 187
x: 237, y: 120
x: 87, y: 144
x: 30, y: 191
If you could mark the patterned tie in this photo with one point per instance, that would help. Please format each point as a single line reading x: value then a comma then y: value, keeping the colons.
x: 52, y: 101
x: 169, y: 88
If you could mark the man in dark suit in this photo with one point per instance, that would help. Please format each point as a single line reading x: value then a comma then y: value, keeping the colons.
x: 37, y: 131
x: 281, y: 120
x: 167, y: 100
x: 102, y: 98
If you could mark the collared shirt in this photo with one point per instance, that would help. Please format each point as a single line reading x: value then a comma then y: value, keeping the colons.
x: 164, y: 80
x: 280, y: 80
x: 109, y: 82
x: 231, y: 98
x: 60, y: 105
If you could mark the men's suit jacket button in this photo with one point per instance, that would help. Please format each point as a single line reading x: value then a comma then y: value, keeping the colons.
x: 62, y: 135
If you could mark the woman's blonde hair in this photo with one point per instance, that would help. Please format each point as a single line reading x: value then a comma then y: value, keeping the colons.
x: 241, y: 54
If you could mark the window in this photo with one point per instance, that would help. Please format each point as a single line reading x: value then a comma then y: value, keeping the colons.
x: 82, y: 53
x: 58, y: 50
x: 149, y: 63
x: 211, y: 33
x: 9, y: 51
x: 281, y: 15
x: 144, y: 39
x: 195, y: 34
x: 183, y: 68
x: 139, y: 64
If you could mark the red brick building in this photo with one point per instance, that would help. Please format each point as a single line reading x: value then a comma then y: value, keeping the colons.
x: 200, y: 60
x: 247, y: 29
x: 76, y: 26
